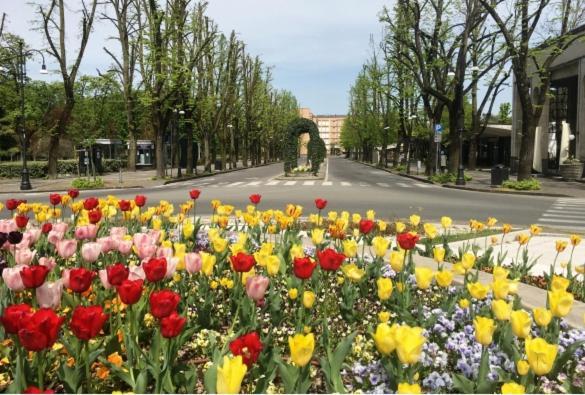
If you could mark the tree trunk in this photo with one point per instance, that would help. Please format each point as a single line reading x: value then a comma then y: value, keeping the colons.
x: 160, y: 156
x: 206, y: 153
x: 53, y: 155
x: 189, y: 134
x: 526, y: 146
x: 473, y: 151
x: 60, y: 131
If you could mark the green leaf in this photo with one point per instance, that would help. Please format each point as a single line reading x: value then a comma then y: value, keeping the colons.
x: 463, y: 384
x: 141, y: 382
x: 564, y: 357
x: 289, y: 375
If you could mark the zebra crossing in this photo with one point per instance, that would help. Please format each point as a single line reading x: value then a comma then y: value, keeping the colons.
x: 566, y: 213
x: 309, y: 183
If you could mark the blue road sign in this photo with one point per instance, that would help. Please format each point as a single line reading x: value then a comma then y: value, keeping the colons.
x: 438, y: 128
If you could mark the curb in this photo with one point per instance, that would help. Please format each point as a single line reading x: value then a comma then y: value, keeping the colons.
x: 511, y: 192
x: 70, y: 187
x: 204, y: 175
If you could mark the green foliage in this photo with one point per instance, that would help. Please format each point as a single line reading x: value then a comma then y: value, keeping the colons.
x: 316, y: 149
x: 525, y: 185
x: 87, y: 183
x: 37, y: 169
x: 504, y: 113
x: 446, y: 178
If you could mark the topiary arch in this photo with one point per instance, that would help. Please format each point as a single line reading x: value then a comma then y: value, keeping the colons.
x: 316, y: 150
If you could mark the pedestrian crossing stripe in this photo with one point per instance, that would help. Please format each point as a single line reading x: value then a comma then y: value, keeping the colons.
x: 565, y: 213
x: 309, y: 183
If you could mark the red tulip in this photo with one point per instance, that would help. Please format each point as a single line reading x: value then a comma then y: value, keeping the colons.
x: 80, y: 279
x: 320, y: 203
x: 117, y: 273
x: 94, y: 216
x: 55, y: 199
x: 21, y: 221
x: 14, y: 316
x: 40, y: 330
x: 255, y: 198
x: 329, y: 259
x: 172, y: 325
x: 194, y: 193
x: 34, y: 276
x: 163, y: 303
x: 366, y: 226
x: 155, y: 269
x: 242, y: 262
x: 12, y: 204
x: 248, y: 346
x: 407, y: 240
x: 87, y: 322
x: 130, y: 291
x: 140, y: 200
x: 47, y: 227
x: 31, y: 389
x: 303, y: 267
x: 73, y: 193
x: 124, y: 205
x: 90, y: 203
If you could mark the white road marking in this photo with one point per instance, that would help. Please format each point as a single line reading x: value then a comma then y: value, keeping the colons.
x: 422, y: 185
x: 327, y: 183
x: 383, y: 184
x: 309, y: 183
x: 290, y: 183
x: 233, y: 184
x: 254, y: 183
x: 345, y: 184
x: 271, y: 183
x: 403, y: 185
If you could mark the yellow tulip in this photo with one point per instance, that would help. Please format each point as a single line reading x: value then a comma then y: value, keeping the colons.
x: 188, y: 229
x: 301, y: 348
x: 371, y: 215
x: 542, y: 316
x: 317, y: 236
x: 380, y: 245
x: 500, y: 273
x: 560, y: 245
x: 513, y: 388
x: 409, y: 348
x: 446, y: 222
x: 478, y: 290
x: 382, y: 226
x: 575, y: 240
x: 468, y: 260
x: 559, y: 283
x: 350, y: 248
x: 414, y: 220
x: 458, y: 268
x: 424, y: 277
x: 293, y: 293
x: 207, y: 263
x: 356, y: 218
x: 521, y: 323
x: 506, y: 228
x: 384, y: 288
x: 332, y: 215
x: 219, y: 244
x: 384, y: 338
x: 397, y: 260
x: 400, y: 227
x: 444, y: 278
x: 296, y: 251
x: 236, y: 248
x: 430, y: 230
x: 353, y: 272
x: 272, y: 265
x: 541, y: 355
x: 491, y: 221
x: 501, y: 310
x: 484, y: 330
x: 500, y: 289
x: 522, y: 238
x: 384, y: 316
x: 230, y: 375
x: 308, y: 299
x: 522, y: 367
x: 535, y: 230
x: 405, y: 388
x: 439, y: 254
x: 560, y: 302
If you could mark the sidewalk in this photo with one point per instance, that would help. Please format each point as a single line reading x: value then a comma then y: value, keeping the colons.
x: 127, y: 179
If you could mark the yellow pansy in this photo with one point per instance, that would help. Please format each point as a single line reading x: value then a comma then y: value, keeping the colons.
x: 293, y: 293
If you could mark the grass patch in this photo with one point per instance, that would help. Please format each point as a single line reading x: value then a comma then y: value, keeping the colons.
x: 85, y: 183
x: 446, y: 178
x: 525, y: 185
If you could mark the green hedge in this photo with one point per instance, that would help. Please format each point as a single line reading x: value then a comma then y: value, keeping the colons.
x: 38, y: 169
x: 526, y: 185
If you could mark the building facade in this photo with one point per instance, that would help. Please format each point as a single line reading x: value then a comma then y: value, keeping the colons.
x: 560, y: 134
x: 329, y: 130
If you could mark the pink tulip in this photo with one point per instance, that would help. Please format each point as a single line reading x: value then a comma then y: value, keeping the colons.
x: 34, y: 235
x: 81, y: 233
x: 108, y: 244
x: 49, y: 294
x: 24, y: 256
x: 155, y: 235
x: 192, y: 262
x: 141, y: 239
x: 125, y: 246
x: 55, y: 236
x: 166, y: 252
x: 65, y: 278
x: 66, y: 248
x: 256, y: 287
x: 146, y: 251
x: 91, y: 252
x: 118, y: 232
x: 48, y: 262
x: 136, y: 273
x: 171, y: 266
x: 12, y: 279
x: 8, y: 225
x: 104, y: 279
x: 25, y: 243
x: 60, y: 227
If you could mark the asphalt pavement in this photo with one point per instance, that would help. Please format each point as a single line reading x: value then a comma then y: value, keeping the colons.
x: 356, y: 188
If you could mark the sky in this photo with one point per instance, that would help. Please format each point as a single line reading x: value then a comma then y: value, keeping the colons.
x: 315, y: 47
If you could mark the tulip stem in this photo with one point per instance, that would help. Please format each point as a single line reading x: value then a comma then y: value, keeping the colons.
x: 87, y: 368
x: 40, y: 369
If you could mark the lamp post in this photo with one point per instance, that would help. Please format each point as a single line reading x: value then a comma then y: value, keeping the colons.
x: 20, y: 75
x: 181, y: 114
x: 460, y: 170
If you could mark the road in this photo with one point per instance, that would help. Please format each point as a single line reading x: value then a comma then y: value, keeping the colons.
x: 355, y: 187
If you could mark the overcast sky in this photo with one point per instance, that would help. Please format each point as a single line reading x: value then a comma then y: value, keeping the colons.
x: 316, y: 47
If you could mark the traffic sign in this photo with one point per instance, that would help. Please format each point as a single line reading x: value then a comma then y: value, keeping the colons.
x: 438, y: 137
x: 438, y: 128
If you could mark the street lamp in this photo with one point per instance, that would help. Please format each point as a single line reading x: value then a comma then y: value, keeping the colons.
x: 181, y: 114
x: 460, y: 170
x: 20, y: 74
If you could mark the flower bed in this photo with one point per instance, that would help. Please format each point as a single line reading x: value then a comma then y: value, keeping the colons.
x: 130, y: 297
